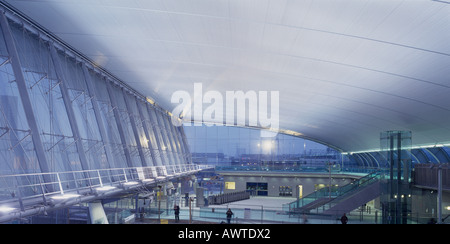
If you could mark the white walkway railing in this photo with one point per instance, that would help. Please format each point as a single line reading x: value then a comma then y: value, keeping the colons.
x: 26, y: 194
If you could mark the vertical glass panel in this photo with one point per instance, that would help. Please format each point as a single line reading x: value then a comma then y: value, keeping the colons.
x: 81, y: 102
x: 152, y: 143
x: 124, y: 119
x: 396, y: 205
x: 166, y: 137
x: 46, y: 99
x: 245, y: 147
x: 159, y: 155
x: 134, y: 112
x: 171, y: 137
x: 109, y: 122
x: 16, y: 147
x: 178, y: 141
x: 159, y: 136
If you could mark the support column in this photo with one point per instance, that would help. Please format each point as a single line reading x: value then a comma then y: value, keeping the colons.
x: 98, y: 116
x: 165, y: 139
x: 176, y: 135
x: 25, y: 98
x: 146, y: 130
x: 170, y: 139
x: 439, y: 200
x: 69, y: 109
x: 119, y: 123
x: 155, y: 131
x: 134, y: 127
x: 176, y: 142
x: 97, y: 213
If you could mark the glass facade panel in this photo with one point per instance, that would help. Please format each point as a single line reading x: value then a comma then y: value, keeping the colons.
x: 108, y: 122
x: 138, y: 130
x: 166, y: 137
x: 78, y: 124
x: 165, y: 119
x: 123, y: 121
x: 82, y: 106
x: 223, y: 145
x: 152, y: 143
x: 45, y: 95
x: 16, y: 146
x: 159, y: 137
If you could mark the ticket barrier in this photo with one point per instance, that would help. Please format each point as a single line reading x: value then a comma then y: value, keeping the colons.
x: 228, y: 197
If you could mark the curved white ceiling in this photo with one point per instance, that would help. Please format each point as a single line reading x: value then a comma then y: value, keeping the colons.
x: 345, y: 70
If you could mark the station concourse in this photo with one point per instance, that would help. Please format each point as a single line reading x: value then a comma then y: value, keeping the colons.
x: 117, y: 111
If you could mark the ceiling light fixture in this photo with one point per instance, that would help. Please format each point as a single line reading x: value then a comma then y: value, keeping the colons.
x: 130, y: 183
x: 105, y: 188
x: 5, y: 209
x: 65, y: 196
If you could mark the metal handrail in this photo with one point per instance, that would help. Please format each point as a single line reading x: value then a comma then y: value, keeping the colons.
x: 22, y: 192
x: 333, y: 193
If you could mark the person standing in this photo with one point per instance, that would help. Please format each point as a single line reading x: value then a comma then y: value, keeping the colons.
x: 229, y: 214
x: 344, y: 219
x: 176, y: 210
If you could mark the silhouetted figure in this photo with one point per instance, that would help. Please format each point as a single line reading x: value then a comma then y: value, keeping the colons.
x: 344, y: 219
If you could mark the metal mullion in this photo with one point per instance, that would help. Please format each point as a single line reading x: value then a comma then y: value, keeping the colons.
x: 98, y: 116
x: 25, y: 98
x: 168, y: 140
x: 128, y: 104
x: 161, y: 156
x: 118, y: 123
x: 169, y: 130
x: 176, y: 135
x: 69, y: 109
x: 146, y: 130
x: 165, y: 138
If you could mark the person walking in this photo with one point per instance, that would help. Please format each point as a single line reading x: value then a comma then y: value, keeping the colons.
x: 344, y: 219
x: 176, y: 210
x: 229, y: 214
x: 305, y: 218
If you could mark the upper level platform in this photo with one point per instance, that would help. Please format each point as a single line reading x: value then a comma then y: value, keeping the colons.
x: 23, y: 195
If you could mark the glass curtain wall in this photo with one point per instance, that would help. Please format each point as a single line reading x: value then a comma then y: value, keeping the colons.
x: 16, y: 145
x: 83, y: 118
x: 223, y: 145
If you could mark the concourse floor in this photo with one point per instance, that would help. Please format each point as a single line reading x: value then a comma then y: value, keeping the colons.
x: 256, y: 210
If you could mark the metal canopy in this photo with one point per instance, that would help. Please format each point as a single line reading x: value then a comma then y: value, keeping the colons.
x: 345, y: 70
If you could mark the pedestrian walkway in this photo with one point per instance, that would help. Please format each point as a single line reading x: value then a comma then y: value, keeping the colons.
x: 256, y: 210
x: 258, y: 203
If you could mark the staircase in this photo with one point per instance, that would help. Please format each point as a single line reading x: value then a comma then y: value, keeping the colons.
x: 339, y: 200
x: 353, y: 200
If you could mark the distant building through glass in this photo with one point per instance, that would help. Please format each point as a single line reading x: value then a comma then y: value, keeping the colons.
x: 224, y: 145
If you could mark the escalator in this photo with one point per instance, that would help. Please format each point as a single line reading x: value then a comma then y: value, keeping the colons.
x: 338, y: 200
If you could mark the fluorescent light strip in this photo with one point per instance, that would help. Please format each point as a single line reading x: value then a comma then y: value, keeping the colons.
x: 5, y: 209
x: 130, y: 183
x: 105, y: 188
x: 65, y: 196
x: 411, y: 147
